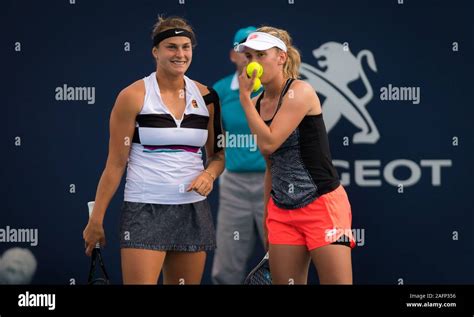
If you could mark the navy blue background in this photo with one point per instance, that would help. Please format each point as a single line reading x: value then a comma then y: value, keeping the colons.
x: 407, y: 236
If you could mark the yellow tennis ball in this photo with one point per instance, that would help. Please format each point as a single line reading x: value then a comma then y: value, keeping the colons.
x: 256, y: 84
x: 254, y: 66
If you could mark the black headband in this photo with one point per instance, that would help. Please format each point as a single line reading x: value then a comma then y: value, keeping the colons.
x: 173, y: 32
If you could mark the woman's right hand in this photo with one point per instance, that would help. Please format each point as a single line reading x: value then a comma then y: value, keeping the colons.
x: 93, y: 233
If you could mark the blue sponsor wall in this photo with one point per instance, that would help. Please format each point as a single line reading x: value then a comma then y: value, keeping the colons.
x: 395, y: 82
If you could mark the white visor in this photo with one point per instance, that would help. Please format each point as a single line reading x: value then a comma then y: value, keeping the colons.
x: 261, y: 41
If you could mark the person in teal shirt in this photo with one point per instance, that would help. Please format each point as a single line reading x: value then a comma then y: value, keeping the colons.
x: 240, y: 214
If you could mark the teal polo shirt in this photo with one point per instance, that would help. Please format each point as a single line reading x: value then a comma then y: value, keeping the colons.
x: 241, y: 151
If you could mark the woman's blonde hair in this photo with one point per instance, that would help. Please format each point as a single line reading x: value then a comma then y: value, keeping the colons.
x: 291, y: 68
x: 172, y: 22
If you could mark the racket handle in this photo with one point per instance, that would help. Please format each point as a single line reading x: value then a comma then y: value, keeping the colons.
x: 90, y: 205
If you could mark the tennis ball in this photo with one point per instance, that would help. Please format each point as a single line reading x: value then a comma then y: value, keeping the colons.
x: 256, y: 85
x: 254, y: 66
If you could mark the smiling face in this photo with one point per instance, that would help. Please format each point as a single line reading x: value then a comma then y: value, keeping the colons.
x: 173, y: 55
x: 272, y: 61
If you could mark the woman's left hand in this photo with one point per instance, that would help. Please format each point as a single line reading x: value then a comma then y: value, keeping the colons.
x: 203, y: 184
x: 246, y: 83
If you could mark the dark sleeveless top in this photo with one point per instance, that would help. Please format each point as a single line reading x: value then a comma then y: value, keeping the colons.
x: 302, y: 168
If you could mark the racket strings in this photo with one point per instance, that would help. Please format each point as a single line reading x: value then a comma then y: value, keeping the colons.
x: 260, y: 275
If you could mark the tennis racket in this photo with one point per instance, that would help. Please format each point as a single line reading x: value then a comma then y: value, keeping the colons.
x: 260, y: 275
x: 96, y: 258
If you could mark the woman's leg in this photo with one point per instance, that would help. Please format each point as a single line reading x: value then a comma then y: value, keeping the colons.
x: 183, y: 267
x: 140, y: 266
x: 289, y: 264
x: 333, y: 263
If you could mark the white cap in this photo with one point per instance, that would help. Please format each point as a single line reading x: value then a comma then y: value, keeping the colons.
x: 261, y: 41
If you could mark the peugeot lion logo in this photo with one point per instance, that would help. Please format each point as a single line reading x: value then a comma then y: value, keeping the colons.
x: 340, y: 68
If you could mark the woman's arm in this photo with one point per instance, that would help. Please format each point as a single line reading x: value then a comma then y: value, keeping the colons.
x: 299, y: 100
x: 215, y: 158
x: 122, y: 127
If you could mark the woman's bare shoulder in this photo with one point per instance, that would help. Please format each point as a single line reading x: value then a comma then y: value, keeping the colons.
x: 202, y: 88
x: 131, y: 97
